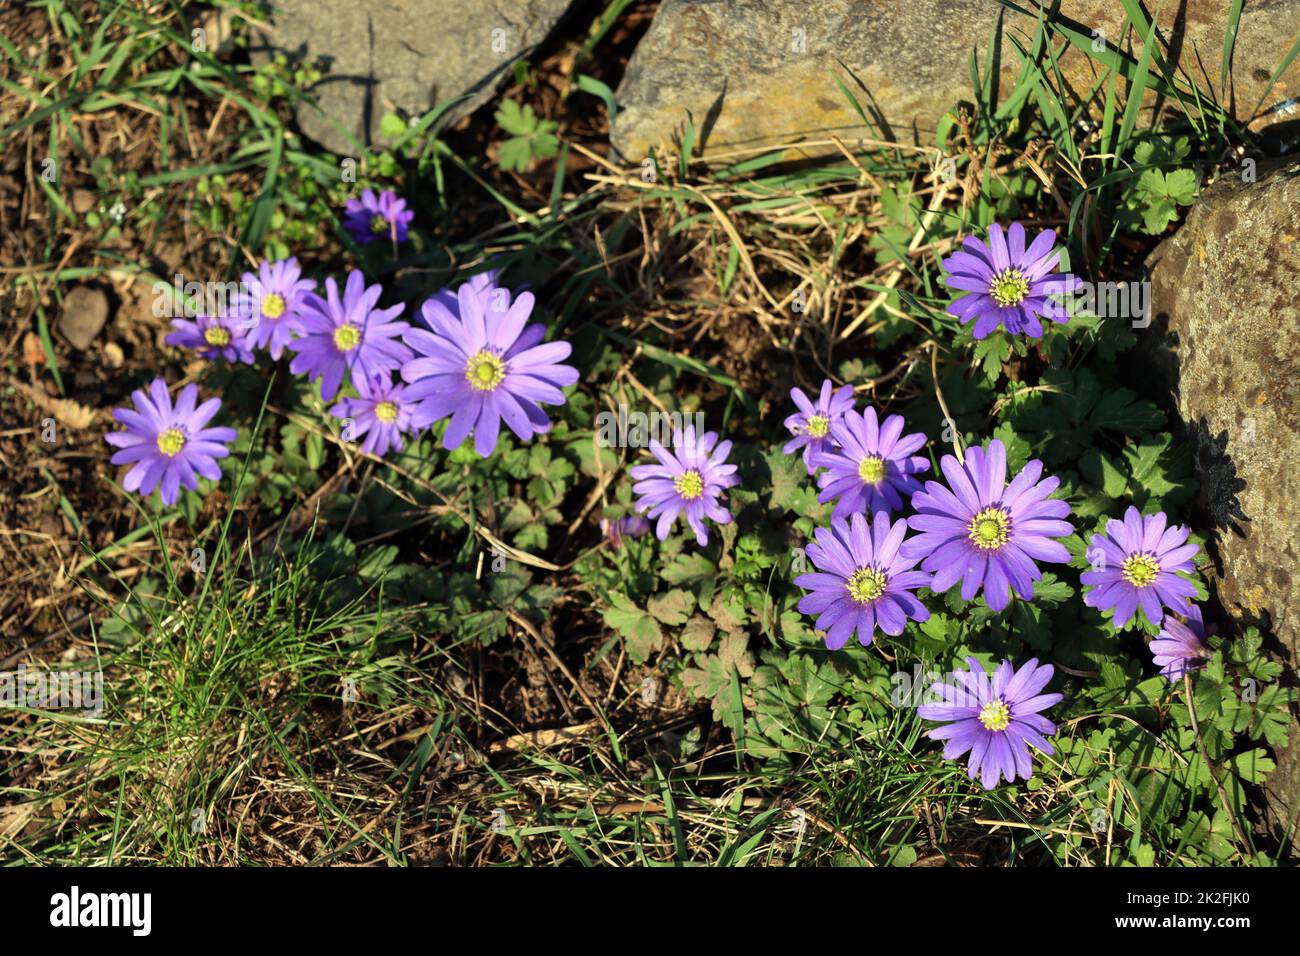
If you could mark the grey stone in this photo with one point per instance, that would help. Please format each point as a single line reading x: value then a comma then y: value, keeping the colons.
x: 401, y: 55
x: 85, y: 311
x: 1226, y: 313
x: 757, y: 73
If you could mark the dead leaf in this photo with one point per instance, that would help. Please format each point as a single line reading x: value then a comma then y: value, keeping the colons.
x: 67, y: 412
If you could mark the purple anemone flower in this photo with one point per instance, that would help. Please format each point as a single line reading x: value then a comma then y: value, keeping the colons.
x: 688, y: 480
x: 169, y: 445
x: 863, y: 580
x: 629, y: 526
x: 382, y: 412
x: 1136, y: 563
x: 811, y: 425
x: 1009, y: 285
x: 372, y: 217
x: 985, y: 531
x: 347, y: 334
x: 213, y: 337
x: 1181, y: 646
x: 482, y: 363
x: 873, y: 466
x: 272, y: 301
x: 996, y: 720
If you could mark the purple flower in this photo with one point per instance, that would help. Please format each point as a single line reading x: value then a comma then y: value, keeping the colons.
x: 347, y: 335
x: 997, y: 720
x: 481, y: 363
x: 1010, y: 285
x: 631, y: 526
x: 382, y: 412
x: 272, y: 301
x: 811, y: 425
x: 986, y: 532
x: 863, y: 580
x: 687, y: 482
x: 214, y: 337
x: 872, y: 467
x: 377, y: 217
x: 169, y: 445
x: 1181, y: 646
x: 1137, y: 563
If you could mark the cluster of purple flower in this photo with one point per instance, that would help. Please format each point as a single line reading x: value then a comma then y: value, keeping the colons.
x: 475, y: 360
x: 980, y: 527
x: 990, y: 534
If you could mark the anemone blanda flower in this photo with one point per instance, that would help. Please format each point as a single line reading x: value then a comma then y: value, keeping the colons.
x: 272, y: 301
x: 382, y: 412
x: 347, y: 334
x: 169, y: 444
x: 214, y: 336
x: 996, y: 720
x: 688, y: 480
x: 863, y: 581
x: 481, y: 363
x: 1181, y: 646
x: 986, y: 532
x: 377, y: 217
x: 811, y: 424
x: 873, y: 467
x: 631, y: 526
x: 1009, y: 285
x: 1136, y: 563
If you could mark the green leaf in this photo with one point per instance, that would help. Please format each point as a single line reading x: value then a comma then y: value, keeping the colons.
x: 640, y: 631
x: 689, y: 568
x: 1120, y: 410
x: 698, y: 633
x: 589, y: 84
x: 515, y: 154
x: 391, y: 126
x: 511, y: 118
x: 1180, y: 186
x: 1050, y: 591
x: 1253, y: 765
x: 671, y: 608
x: 1101, y: 470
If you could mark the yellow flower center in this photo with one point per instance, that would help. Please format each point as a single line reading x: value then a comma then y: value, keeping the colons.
x: 485, y: 371
x: 347, y: 337
x: 171, y: 441
x: 380, y: 226
x: 386, y: 412
x: 990, y: 529
x: 867, y: 584
x: 273, y: 305
x: 216, y: 335
x: 995, y: 715
x: 689, y: 484
x: 1140, y: 570
x: 1009, y: 287
x: 871, y: 469
x: 818, y: 426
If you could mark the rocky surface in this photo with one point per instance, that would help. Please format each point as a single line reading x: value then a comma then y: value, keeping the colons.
x: 401, y: 55
x: 1226, y: 303
x: 756, y: 73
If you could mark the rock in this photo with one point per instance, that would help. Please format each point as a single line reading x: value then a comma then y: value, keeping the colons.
x: 1227, y: 314
x: 407, y: 55
x: 756, y: 73
x: 85, y: 310
x: 83, y: 200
